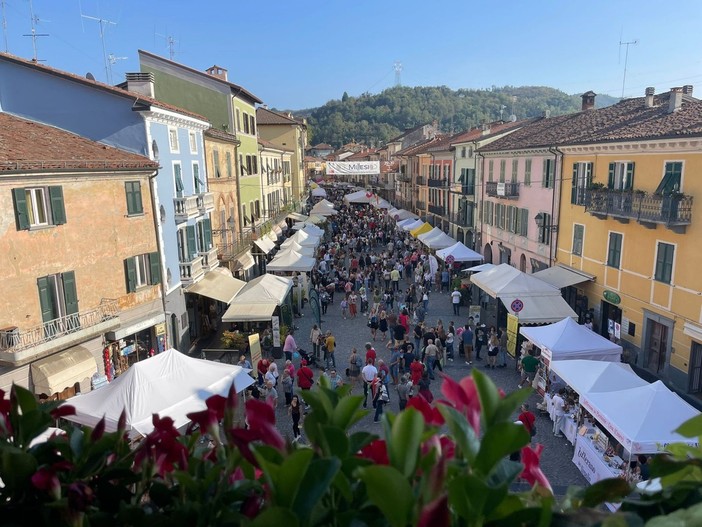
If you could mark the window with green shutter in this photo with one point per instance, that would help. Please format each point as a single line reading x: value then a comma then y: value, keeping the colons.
x: 503, y: 169
x: 192, y: 243
x: 578, y: 234
x: 155, y: 264
x: 545, y: 229
x: 134, y: 201
x: 215, y: 163
x: 527, y: 172
x: 491, y: 169
x: 524, y: 222
x: 672, y: 179
x: 582, y: 179
x: 38, y: 207
x: 614, y: 250
x: 58, y: 298
x: 207, y: 227
x: 228, y: 157
x: 664, y: 262
x: 620, y: 175
x: 549, y: 173
x: 178, y: 175
x: 515, y: 169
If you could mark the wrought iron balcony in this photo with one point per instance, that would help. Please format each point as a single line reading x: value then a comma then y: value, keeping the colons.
x: 404, y: 178
x: 206, y: 202
x: 439, y: 210
x: 186, y: 208
x: 192, y: 271
x: 672, y: 210
x: 460, y: 218
x: 19, y: 346
x: 438, y: 183
x: 502, y: 190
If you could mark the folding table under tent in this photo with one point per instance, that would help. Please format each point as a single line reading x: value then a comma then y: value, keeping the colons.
x: 290, y: 261
x: 460, y: 253
x: 644, y: 419
x: 168, y: 384
x: 594, y: 376
x: 567, y: 340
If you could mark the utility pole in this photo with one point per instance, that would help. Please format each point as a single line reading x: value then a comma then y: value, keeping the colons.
x: 397, y: 66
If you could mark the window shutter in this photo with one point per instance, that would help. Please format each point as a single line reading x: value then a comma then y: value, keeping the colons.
x: 58, y: 211
x: 192, y: 244
x: 70, y: 294
x: 207, y: 224
x: 610, y: 177
x: 178, y: 181
x: 525, y: 222
x: 155, y: 263
x: 629, y: 176
x: 48, y: 312
x: 21, y: 214
x: 574, y: 187
x: 130, y: 272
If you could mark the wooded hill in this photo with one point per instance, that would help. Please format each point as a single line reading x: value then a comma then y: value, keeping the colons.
x: 373, y: 119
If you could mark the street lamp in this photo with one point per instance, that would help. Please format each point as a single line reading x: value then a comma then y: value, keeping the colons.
x: 540, y: 220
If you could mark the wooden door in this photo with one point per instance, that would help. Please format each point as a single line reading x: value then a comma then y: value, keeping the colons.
x: 657, y: 344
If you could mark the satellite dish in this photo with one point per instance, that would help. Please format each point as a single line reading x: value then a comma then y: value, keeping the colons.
x: 90, y: 76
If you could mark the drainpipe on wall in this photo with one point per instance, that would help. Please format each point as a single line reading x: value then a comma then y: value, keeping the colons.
x: 557, y: 183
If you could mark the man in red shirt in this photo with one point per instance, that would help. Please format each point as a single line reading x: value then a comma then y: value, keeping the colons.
x: 305, y: 376
x: 371, y: 355
x: 528, y: 419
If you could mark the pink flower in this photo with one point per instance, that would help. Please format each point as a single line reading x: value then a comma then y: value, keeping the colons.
x: 45, y: 479
x: 98, y: 431
x: 376, y: 451
x: 80, y: 496
x: 431, y: 415
x: 435, y: 514
x: 463, y: 396
x: 448, y: 447
x: 162, y: 448
x: 260, y: 417
x: 532, y: 471
x: 62, y: 411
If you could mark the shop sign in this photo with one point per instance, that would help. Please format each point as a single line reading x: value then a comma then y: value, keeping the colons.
x: 160, y: 329
x: 612, y: 297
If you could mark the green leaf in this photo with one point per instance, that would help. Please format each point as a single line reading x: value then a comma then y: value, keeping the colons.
x: 467, y: 495
x: 510, y: 403
x: 499, y: 441
x: 286, y: 485
x: 461, y: 432
x: 25, y: 399
x: 612, y: 490
x: 691, y: 427
x: 390, y: 492
x: 276, y: 516
x: 489, y: 396
x: 504, y: 473
x: 335, y: 443
x: 347, y: 411
x: 358, y: 440
x: 405, y: 437
x: 17, y: 468
x: 315, y: 484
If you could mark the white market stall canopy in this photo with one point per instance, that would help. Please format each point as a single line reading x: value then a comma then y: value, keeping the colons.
x: 460, y: 253
x: 505, y: 281
x: 641, y: 419
x: 413, y: 225
x: 435, y: 231
x: 250, y: 312
x: 315, y: 220
x: 381, y: 204
x: 290, y: 261
x: 560, y: 276
x: 169, y: 384
x: 265, y: 289
x: 594, y: 376
x: 266, y: 244
x: 401, y: 224
x: 402, y: 214
x: 296, y: 216
x: 312, y: 229
x: 538, y: 309
x: 478, y: 268
x: 439, y: 241
x: 302, y: 238
x: 218, y: 284
x: 304, y: 250
x: 567, y: 340
x: 362, y: 196
x: 323, y: 208
x: 319, y: 192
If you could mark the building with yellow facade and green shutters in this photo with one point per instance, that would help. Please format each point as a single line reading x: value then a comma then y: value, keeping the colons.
x: 628, y: 217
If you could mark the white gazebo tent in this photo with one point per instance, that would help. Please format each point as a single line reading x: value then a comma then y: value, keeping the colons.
x: 568, y: 340
x: 644, y: 419
x: 594, y: 376
x: 435, y: 231
x: 360, y: 196
x: 304, y: 250
x: 302, y: 238
x: 259, y: 298
x: 440, y: 240
x: 381, y: 203
x: 312, y: 229
x: 478, y: 268
x: 289, y: 261
x: 413, y: 225
x: 323, y: 208
x: 319, y: 192
x: 401, y: 224
x: 314, y: 219
x: 460, y: 253
x: 168, y: 384
x: 402, y: 214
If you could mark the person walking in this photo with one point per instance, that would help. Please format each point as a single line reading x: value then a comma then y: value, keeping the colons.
x: 559, y: 408
x: 383, y: 324
x: 330, y: 344
x: 502, y: 355
x: 380, y: 399
x: 403, y: 391
x: 431, y: 352
x: 290, y: 346
x: 295, y: 411
x: 355, y: 363
x: 314, y: 339
x: 353, y: 304
x: 368, y: 375
x: 287, y: 384
x: 456, y: 301
x: 528, y: 419
x: 529, y: 364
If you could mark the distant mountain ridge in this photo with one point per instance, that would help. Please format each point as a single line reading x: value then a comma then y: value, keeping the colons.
x: 374, y: 119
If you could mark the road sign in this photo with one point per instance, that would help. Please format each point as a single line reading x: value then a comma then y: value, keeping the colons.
x: 517, y: 305
x: 450, y: 259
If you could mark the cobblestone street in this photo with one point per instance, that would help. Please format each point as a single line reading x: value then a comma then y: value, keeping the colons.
x: 556, y: 459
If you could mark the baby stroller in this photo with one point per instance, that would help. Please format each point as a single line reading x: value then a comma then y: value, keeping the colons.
x: 312, y: 361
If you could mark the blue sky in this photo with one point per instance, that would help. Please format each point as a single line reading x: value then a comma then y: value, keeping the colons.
x: 299, y: 54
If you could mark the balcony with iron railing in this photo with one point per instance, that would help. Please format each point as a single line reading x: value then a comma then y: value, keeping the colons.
x: 420, y: 180
x: 206, y: 202
x: 468, y: 190
x: 20, y: 346
x: 672, y: 210
x: 404, y: 178
x: 209, y: 259
x: 186, y: 208
x: 437, y: 183
x: 502, y: 190
x: 460, y: 219
x: 439, y: 210
x: 192, y: 271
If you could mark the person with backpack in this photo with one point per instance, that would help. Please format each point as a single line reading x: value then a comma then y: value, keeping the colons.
x: 381, y: 397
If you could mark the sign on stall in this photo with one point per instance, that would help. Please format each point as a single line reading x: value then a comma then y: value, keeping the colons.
x: 255, y: 347
x: 512, y: 329
x: 275, y: 328
x: 590, y: 462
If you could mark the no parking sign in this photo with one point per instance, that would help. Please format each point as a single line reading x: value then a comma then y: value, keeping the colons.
x: 516, y: 305
x: 450, y: 259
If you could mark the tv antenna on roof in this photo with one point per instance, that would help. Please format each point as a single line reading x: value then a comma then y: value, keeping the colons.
x: 4, y: 25
x: 626, y: 57
x: 34, y: 35
x: 113, y: 60
x: 170, y: 44
x: 397, y: 66
x: 103, y: 22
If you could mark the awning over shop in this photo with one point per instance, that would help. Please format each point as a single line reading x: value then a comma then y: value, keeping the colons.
x: 218, y: 284
x: 265, y: 244
x: 137, y: 319
x: 538, y: 309
x: 249, y: 313
x: 560, y: 276
x: 296, y: 216
x: 244, y: 262
x: 62, y: 370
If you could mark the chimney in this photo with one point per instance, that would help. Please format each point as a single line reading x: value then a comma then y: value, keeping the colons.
x: 675, y: 100
x: 217, y: 71
x: 588, y: 100
x: 687, y: 90
x: 546, y: 114
x: 650, y: 91
x: 486, y: 128
x: 141, y: 83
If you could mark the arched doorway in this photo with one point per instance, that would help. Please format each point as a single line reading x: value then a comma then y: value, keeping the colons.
x: 522, y: 263
x: 487, y: 253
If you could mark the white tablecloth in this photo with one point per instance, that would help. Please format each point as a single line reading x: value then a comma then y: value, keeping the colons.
x: 591, y: 463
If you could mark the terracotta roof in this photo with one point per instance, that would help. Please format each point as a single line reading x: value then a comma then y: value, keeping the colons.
x: 496, y: 128
x: 236, y: 87
x: 419, y: 148
x: 265, y: 116
x: 136, y: 97
x: 221, y: 134
x: 405, y: 133
x: 31, y: 146
x: 627, y: 120
x: 311, y: 159
x: 274, y: 146
x: 361, y: 155
x: 323, y: 146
